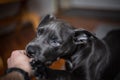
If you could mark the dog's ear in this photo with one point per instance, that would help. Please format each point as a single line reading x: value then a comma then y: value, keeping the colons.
x: 46, y: 19
x: 82, y: 36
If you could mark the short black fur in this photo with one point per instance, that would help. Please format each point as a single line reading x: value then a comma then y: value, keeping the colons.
x: 86, y: 56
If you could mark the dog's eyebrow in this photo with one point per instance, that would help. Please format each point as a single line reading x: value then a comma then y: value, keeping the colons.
x: 53, y: 26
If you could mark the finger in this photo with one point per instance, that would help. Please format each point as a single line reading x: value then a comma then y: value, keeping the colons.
x: 8, y: 60
x: 30, y: 59
x: 14, y: 52
x: 22, y: 52
x: 17, y: 52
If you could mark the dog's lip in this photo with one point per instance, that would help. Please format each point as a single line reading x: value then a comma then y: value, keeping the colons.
x: 30, y: 56
x: 48, y: 63
x: 58, y: 58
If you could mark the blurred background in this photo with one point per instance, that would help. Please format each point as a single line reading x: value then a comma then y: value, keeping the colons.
x: 20, y: 18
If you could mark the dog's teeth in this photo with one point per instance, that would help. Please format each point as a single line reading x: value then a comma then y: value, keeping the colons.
x: 58, y: 58
x: 48, y: 62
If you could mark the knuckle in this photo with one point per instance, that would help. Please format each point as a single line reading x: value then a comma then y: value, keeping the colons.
x: 8, y: 60
x: 15, y: 52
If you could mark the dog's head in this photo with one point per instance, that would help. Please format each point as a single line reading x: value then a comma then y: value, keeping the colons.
x: 56, y: 39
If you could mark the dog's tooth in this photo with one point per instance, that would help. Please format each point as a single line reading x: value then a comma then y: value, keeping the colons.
x: 48, y: 62
x: 58, y: 58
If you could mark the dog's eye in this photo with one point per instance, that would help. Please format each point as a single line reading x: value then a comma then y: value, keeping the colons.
x: 55, y: 42
x: 40, y: 31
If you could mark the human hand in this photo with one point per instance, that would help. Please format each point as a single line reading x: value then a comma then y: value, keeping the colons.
x: 18, y: 59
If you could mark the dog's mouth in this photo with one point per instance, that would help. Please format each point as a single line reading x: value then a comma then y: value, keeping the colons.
x: 50, y: 62
x: 46, y: 62
x: 30, y: 55
x: 57, y: 63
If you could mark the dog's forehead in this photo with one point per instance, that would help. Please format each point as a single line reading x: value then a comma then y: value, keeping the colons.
x: 58, y: 26
x: 54, y: 26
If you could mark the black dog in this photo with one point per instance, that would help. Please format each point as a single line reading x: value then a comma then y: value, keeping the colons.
x: 86, y: 56
x: 112, y: 71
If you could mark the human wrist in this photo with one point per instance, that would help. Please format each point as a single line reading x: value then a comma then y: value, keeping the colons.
x: 19, y: 71
x: 24, y: 68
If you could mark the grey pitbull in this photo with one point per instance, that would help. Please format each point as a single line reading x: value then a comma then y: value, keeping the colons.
x: 86, y: 56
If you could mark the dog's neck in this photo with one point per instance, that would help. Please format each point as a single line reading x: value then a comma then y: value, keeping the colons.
x: 91, y: 58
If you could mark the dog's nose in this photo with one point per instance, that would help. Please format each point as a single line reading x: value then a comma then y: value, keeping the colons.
x: 31, y: 50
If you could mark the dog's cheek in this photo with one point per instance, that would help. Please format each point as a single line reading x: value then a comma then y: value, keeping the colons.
x: 50, y: 54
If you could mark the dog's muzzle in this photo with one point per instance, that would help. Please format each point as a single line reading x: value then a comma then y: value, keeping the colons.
x: 35, y: 51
